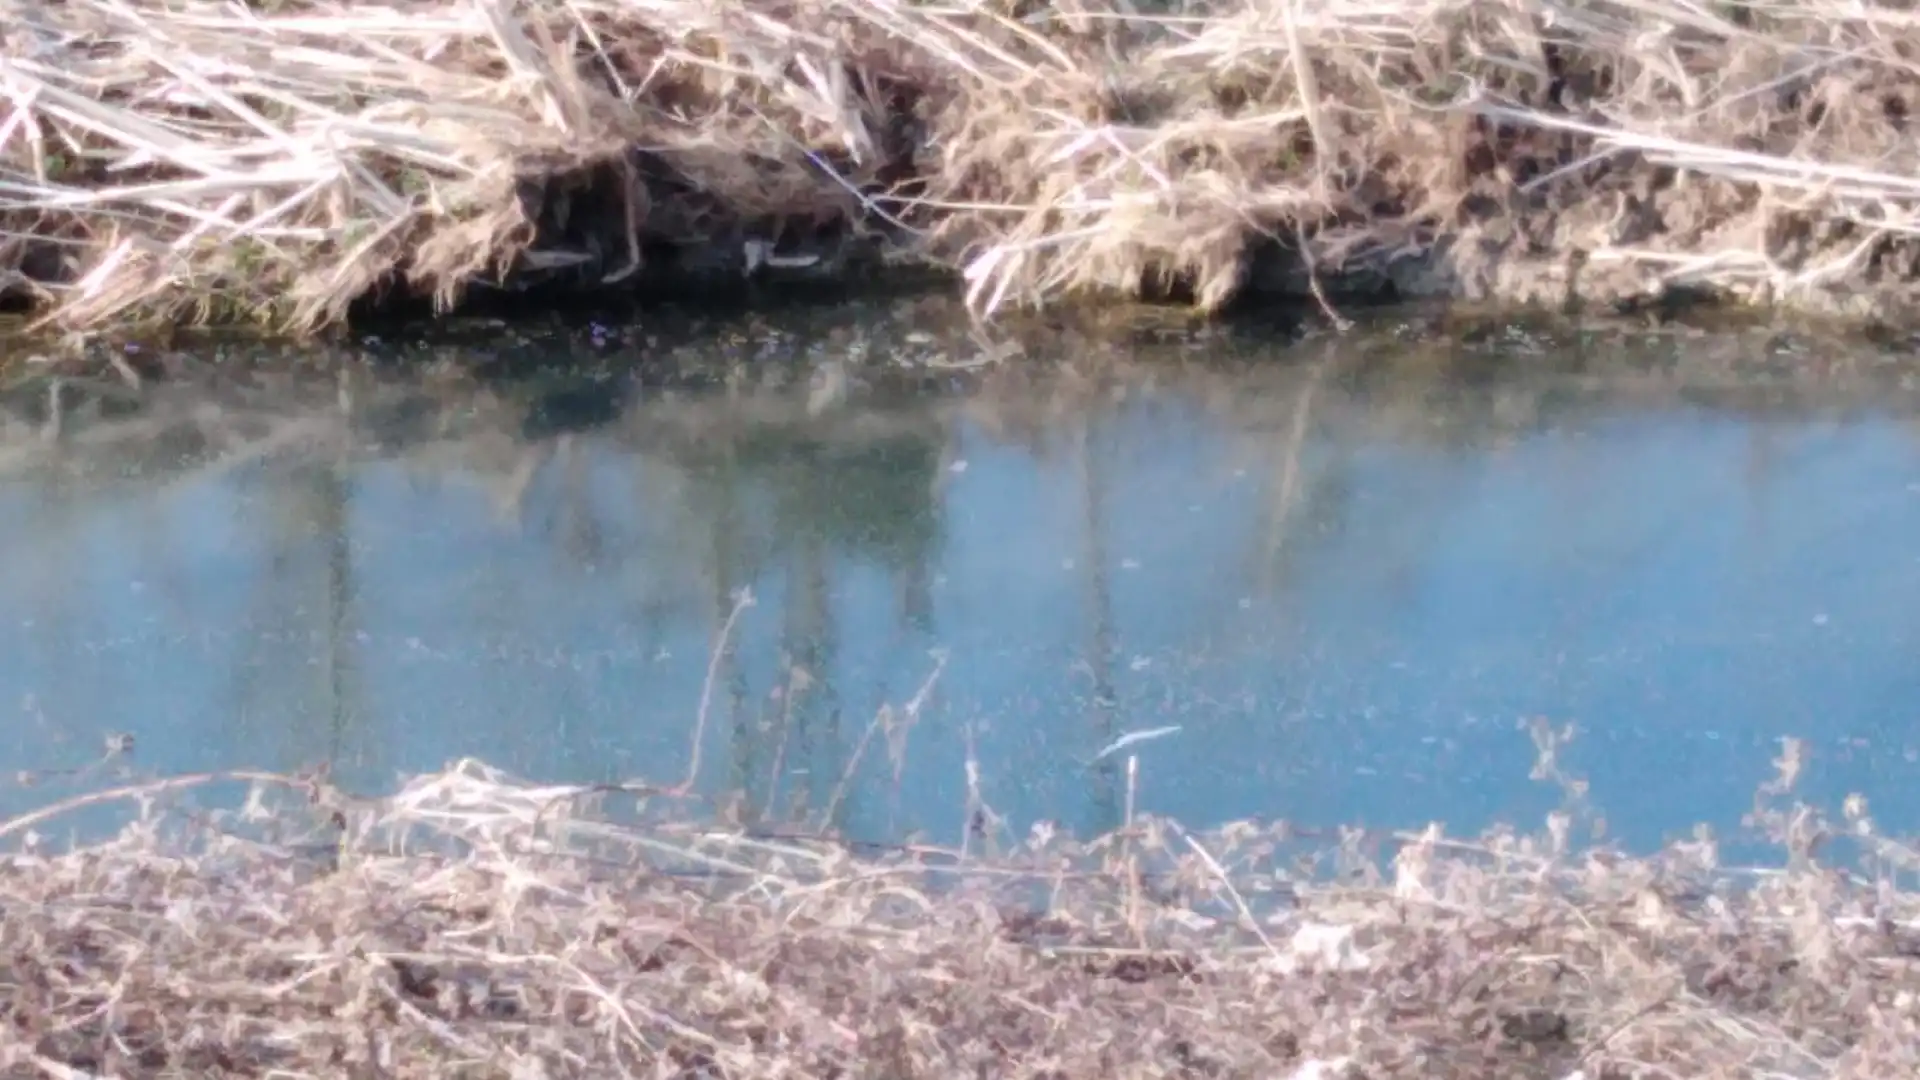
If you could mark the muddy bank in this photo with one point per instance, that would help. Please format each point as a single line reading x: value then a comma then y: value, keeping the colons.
x: 289, y: 165
x: 1644, y: 238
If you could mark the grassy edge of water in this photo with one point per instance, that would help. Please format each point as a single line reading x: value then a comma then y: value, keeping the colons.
x: 471, y: 924
x: 278, y: 163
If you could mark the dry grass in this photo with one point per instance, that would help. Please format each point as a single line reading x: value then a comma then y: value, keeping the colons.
x: 276, y: 159
x: 473, y: 926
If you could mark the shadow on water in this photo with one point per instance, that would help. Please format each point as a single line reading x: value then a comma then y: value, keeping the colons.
x: 1349, y: 574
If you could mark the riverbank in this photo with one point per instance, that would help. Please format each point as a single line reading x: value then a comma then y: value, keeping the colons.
x: 289, y: 163
x: 471, y: 925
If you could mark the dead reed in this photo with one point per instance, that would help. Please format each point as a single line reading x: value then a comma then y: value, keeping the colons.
x: 274, y: 160
x: 470, y: 925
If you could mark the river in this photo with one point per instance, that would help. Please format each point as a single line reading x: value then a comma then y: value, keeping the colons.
x: 1315, y: 580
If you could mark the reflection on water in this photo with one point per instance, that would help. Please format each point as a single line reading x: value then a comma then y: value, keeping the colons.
x: 1346, y: 590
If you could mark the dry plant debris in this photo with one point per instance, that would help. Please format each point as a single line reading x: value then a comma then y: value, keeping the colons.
x: 273, y: 160
x: 470, y: 925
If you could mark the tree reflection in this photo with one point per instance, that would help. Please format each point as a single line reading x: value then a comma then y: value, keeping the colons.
x: 1097, y: 576
x: 298, y: 676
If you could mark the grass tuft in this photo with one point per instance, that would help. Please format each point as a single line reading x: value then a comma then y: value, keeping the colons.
x: 277, y: 160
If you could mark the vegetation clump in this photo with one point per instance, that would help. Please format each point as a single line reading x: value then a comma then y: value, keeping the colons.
x: 278, y: 160
x: 470, y: 925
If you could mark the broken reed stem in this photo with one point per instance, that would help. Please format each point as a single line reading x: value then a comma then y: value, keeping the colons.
x: 145, y: 791
x: 1128, y: 855
x: 1225, y: 880
x: 190, y: 159
x: 883, y: 720
x: 978, y: 814
x: 722, y: 641
x: 799, y: 681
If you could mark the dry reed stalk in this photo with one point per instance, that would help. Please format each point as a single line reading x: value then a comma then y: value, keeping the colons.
x: 471, y: 924
x: 278, y: 160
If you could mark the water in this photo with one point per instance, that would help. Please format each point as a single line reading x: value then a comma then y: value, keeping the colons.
x: 1347, y: 576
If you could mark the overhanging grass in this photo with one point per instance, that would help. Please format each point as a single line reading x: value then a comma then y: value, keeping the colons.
x: 471, y: 925
x: 274, y: 161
